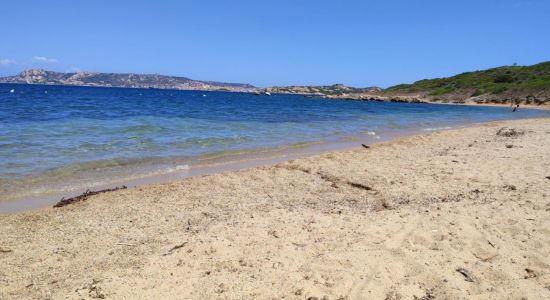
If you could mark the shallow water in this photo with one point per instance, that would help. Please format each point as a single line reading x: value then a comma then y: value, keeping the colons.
x: 56, y: 138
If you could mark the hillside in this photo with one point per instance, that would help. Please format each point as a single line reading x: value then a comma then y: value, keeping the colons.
x: 525, y: 84
x: 128, y: 80
x: 502, y: 85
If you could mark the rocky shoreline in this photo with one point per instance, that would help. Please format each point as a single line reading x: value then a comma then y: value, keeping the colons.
x: 541, y: 100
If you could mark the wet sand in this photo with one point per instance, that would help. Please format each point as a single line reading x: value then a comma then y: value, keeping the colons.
x: 46, y: 189
x: 455, y: 214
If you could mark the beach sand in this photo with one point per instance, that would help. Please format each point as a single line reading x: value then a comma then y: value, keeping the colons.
x: 457, y: 214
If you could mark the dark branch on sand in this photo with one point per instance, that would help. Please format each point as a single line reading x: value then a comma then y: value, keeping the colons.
x: 176, y: 247
x: 5, y: 250
x: 359, y: 186
x: 84, y: 196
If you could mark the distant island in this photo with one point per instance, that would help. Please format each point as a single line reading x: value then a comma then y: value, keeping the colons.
x: 126, y: 80
x: 502, y: 85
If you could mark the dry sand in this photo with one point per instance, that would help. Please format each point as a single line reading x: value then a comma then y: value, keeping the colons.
x: 395, y: 221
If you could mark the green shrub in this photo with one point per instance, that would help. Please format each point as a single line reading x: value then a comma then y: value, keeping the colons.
x: 477, y: 92
x: 442, y: 91
x: 499, y: 90
x: 504, y: 78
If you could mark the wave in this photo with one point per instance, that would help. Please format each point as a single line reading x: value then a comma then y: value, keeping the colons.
x: 438, y: 128
x: 208, y: 141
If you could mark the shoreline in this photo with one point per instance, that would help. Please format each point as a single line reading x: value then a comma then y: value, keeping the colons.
x: 454, y: 214
x: 372, y: 98
x: 405, y: 99
x: 216, y: 163
x: 529, y: 106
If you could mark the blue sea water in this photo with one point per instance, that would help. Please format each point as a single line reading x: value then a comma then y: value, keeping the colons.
x: 49, y: 129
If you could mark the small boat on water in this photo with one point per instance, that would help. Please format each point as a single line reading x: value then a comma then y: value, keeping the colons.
x: 267, y: 93
x: 12, y: 91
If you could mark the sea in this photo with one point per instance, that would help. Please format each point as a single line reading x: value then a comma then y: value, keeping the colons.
x: 57, y: 141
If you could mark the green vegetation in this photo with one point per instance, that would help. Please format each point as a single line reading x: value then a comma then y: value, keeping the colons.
x: 442, y: 90
x: 524, y: 79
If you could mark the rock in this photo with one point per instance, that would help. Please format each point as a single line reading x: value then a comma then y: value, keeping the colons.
x: 466, y: 273
x: 530, y: 273
x: 510, y: 132
x: 428, y: 296
x: 96, y: 292
x: 510, y: 187
x: 393, y: 295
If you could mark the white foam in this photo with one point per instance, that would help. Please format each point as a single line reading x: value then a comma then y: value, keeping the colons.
x: 438, y: 128
x: 182, y: 168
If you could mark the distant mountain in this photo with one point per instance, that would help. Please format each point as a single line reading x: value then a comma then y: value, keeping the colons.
x: 129, y: 80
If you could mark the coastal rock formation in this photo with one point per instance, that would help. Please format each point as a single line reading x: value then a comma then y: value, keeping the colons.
x: 337, y: 90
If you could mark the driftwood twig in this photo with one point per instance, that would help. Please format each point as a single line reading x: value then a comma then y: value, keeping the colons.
x: 176, y: 247
x: 84, y: 196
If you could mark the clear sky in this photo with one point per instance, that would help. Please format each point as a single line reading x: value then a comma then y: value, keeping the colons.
x: 283, y: 42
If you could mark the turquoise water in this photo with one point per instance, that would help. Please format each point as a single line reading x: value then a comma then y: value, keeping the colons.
x: 52, y: 132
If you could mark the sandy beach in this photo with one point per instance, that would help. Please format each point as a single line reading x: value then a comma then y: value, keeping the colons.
x: 457, y: 214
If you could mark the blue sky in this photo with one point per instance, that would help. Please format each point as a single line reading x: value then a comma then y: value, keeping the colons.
x: 358, y: 43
